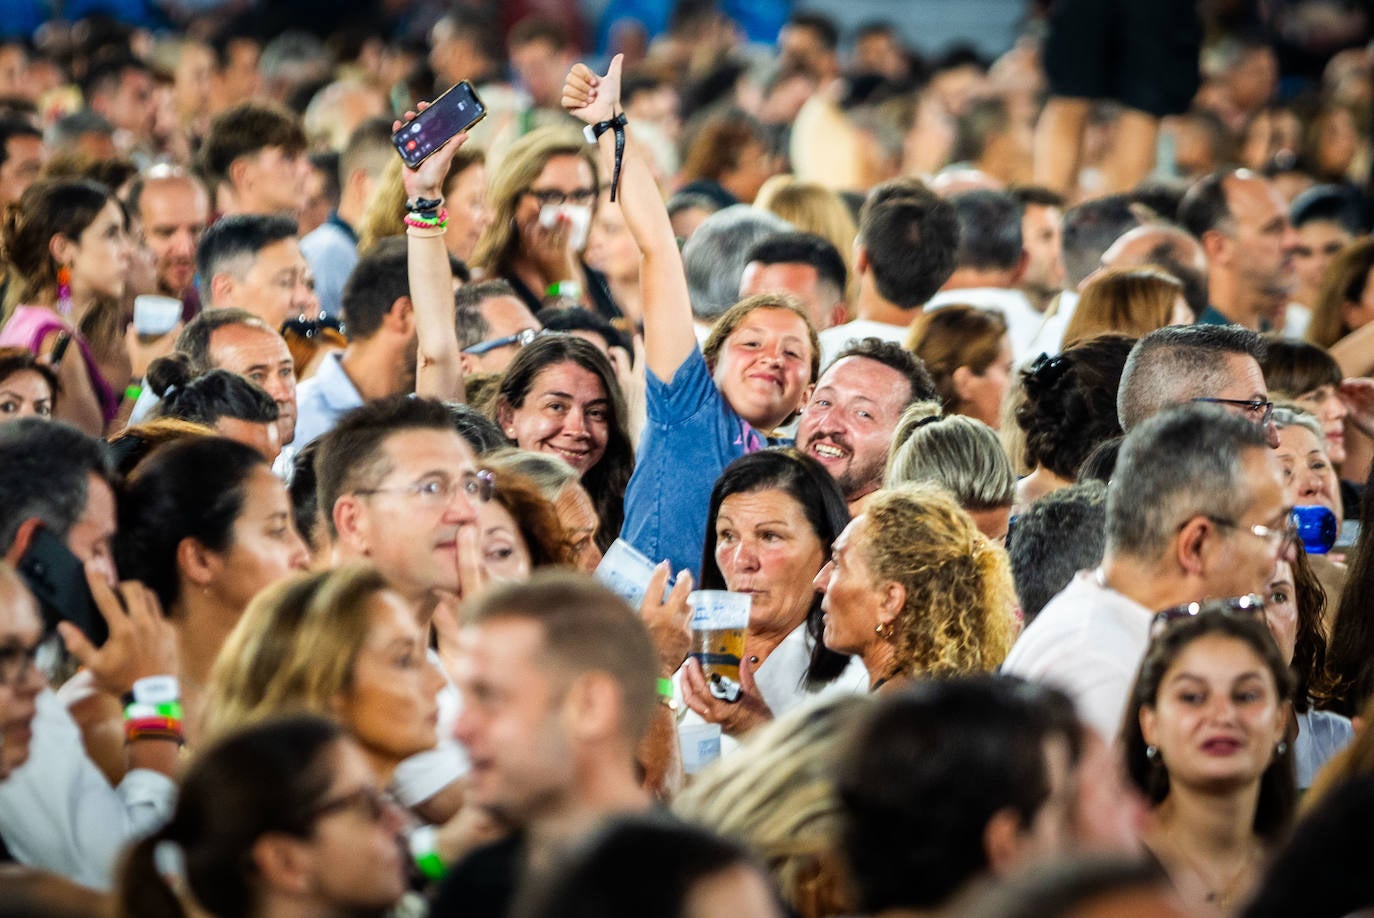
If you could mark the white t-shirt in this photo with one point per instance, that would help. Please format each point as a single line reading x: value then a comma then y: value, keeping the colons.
x: 1089, y: 641
x: 1023, y: 321
x: 834, y: 340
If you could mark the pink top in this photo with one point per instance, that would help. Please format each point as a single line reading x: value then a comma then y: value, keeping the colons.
x: 31, y: 324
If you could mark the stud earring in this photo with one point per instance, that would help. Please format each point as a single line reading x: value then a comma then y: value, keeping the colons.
x: 883, y: 631
x: 1151, y: 752
x: 1281, y: 748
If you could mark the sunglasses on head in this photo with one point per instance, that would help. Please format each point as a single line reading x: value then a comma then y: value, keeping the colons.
x: 1250, y: 606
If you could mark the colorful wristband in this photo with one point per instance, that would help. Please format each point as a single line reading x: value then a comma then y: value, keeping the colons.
x: 427, y: 220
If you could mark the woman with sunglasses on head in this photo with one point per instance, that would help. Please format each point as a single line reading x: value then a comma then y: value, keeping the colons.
x: 281, y: 818
x: 1205, y: 741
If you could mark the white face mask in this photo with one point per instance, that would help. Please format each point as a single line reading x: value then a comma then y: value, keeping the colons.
x: 579, y: 217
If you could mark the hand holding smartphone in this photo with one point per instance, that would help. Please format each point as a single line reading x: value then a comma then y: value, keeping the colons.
x: 454, y: 112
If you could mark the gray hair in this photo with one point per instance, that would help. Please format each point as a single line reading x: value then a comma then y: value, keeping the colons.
x: 715, y: 256
x: 1179, y: 363
x: 960, y: 454
x: 549, y: 473
x: 1060, y: 534
x: 1182, y: 463
x: 1290, y: 415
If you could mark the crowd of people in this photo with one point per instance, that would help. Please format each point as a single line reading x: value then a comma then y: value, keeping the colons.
x: 356, y: 515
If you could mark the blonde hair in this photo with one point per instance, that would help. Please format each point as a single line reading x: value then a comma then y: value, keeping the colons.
x: 1131, y: 302
x: 776, y: 795
x: 385, y: 214
x: 812, y: 208
x: 959, y: 453
x: 509, y: 181
x: 293, y: 650
x: 959, y: 596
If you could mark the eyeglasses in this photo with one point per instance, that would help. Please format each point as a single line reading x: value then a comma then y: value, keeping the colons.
x: 1256, y: 409
x: 1287, y: 532
x: 557, y: 197
x: 439, y: 490
x: 521, y: 338
x: 1249, y: 606
x: 16, y: 661
x: 371, y: 803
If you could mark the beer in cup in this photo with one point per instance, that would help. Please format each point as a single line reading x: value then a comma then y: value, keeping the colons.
x: 719, y: 620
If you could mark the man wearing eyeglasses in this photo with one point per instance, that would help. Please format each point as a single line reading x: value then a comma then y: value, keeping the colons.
x: 398, y: 489
x: 1214, y: 364
x: 493, y: 324
x: 1195, y: 510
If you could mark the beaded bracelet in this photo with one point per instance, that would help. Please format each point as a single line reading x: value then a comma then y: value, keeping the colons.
x: 420, y: 221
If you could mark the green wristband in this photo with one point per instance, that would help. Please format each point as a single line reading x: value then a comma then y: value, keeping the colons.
x: 665, y: 688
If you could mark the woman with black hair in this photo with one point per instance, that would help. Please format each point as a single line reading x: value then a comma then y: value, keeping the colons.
x: 1069, y: 409
x: 282, y: 818
x: 225, y: 402
x: 772, y: 518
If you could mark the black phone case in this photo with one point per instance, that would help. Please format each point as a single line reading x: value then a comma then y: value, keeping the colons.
x: 455, y: 111
x: 57, y: 579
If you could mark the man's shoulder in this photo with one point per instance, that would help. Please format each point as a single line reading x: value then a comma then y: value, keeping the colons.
x: 484, y: 882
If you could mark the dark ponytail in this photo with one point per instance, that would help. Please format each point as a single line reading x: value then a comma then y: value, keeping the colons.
x: 143, y: 892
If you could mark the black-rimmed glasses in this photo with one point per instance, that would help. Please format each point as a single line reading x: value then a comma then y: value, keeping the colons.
x: 1259, y: 410
x: 1249, y: 606
x: 368, y: 801
x: 557, y: 198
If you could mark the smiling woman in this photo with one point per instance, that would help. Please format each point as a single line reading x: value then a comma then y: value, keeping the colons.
x: 559, y: 396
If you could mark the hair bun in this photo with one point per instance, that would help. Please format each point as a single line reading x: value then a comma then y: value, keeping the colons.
x: 169, y: 373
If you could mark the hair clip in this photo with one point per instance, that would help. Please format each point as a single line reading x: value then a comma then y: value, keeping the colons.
x: 1049, y: 370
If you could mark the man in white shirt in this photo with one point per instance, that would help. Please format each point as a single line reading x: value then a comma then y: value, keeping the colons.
x: 989, y: 266
x: 903, y: 253
x: 379, y: 320
x: 1195, y: 509
x: 57, y: 810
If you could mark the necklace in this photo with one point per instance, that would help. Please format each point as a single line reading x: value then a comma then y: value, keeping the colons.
x: 1220, y: 891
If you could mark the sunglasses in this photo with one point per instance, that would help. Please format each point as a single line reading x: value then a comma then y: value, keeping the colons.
x: 309, y: 328
x: 1250, y: 606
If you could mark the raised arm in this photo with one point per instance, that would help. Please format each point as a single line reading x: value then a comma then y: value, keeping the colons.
x: 438, y: 363
x: 669, y: 336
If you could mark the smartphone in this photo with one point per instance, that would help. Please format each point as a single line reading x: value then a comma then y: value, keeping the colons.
x: 59, y: 350
x: 57, y: 579
x: 452, y: 113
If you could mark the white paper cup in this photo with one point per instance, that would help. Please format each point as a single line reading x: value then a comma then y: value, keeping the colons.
x: 156, y: 315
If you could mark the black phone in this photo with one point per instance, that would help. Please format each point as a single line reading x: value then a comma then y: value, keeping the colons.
x: 59, y: 351
x: 57, y: 579
x: 452, y: 113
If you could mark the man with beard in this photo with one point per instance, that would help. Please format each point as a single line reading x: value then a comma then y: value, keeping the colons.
x: 847, y: 425
x: 1242, y: 222
x: 173, y: 210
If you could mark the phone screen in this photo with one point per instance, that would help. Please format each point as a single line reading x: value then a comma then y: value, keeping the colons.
x: 452, y: 113
x: 57, y: 579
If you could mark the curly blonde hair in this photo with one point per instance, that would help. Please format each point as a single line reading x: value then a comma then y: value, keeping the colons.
x: 957, y: 617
